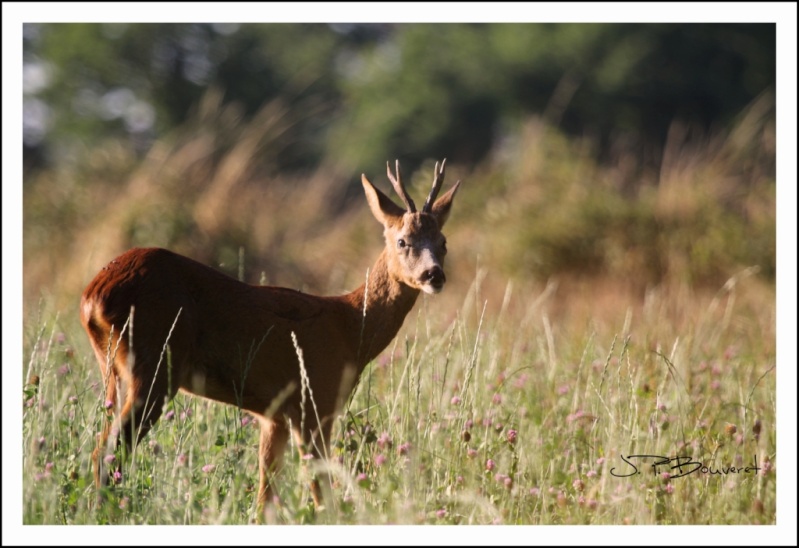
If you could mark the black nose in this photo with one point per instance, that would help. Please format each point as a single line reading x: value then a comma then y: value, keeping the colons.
x: 434, y: 276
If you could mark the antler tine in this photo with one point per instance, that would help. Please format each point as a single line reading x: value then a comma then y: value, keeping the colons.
x: 400, y: 188
x: 438, y: 180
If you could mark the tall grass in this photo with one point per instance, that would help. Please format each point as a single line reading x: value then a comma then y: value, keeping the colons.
x: 594, y: 311
x: 508, y: 414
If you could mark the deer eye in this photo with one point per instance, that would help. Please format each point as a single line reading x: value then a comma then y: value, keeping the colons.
x: 401, y: 244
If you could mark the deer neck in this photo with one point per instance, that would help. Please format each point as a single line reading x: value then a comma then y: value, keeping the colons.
x: 387, y: 302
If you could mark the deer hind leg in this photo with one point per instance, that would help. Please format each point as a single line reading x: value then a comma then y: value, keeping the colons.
x: 101, y: 474
x: 274, y: 436
x: 142, y: 404
x: 141, y: 386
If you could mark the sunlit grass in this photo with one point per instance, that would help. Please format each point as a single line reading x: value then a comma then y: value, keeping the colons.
x: 503, y: 413
x: 640, y: 320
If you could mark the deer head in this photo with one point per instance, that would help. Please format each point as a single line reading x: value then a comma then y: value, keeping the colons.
x: 415, y: 246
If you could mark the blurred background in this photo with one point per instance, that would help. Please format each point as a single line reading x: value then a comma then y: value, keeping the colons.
x: 622, y: 156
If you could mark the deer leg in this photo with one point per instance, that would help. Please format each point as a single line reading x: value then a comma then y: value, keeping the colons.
x: 274, y: 436
x: 141, y: 408
x: 320, y: 443
x: 98, y: 455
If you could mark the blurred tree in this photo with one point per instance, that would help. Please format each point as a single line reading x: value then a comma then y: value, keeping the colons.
x: 363, y: 93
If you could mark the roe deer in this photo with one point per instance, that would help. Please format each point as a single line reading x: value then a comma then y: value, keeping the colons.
x: 160, y: 322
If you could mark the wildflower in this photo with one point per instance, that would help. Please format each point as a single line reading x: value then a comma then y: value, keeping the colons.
x: 521, y: 380
x: 562, y: 500
x: 117, y: 477
x: 48, y: 466
x: 508, y: 481
x: 63, y: 370
x: 108, y: 404
x: 535, y: 491
x: 380, y: 458
x: 469, y: 423
x: 455, y: 400
x: 563, y: 390
x: 384, y: 441
x: 498, y: 426
x: 489, y: 465
x: 169, y: 415
x: 181, y: 460
x: 362, y: 479
x: 578, y: 484
x: 715, y: 385
x: 245, y: 420
x: 592, y: 504
x: 730, y: 429
x: 208, y: 468
x: 497, y: 398
x: 571, y: 417
x: 511, y: 435
x: 109, y: 459
x: 73, y: 399
x: 307, y: 456
x: 124, y: 502
x: 767, y: 465
x: 471, y: 453
x: 459, y: 480
x: 404, y: 448
x: 441, y: 513
x: 591, y: 474
x: 155, y: 447
x: 669, y: 488
x: 600, y: 461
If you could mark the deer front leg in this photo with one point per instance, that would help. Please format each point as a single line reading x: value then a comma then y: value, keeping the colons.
x: 274, y: 436
x: 319, y: 445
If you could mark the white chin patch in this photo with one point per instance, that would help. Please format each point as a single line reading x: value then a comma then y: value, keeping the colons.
x: 431, y: 289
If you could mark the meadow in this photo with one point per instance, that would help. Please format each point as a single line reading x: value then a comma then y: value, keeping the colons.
x: 602, y: 354
x: 480, y: 415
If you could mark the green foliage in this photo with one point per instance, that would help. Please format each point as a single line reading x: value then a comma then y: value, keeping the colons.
x: 634, y: 243
x: 363, y: 93
x: 489, y: 418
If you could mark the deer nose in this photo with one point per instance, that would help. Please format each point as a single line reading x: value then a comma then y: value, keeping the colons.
x: 434, y: 276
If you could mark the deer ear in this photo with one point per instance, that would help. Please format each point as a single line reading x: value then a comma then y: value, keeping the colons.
x: 384, y: 210
x: 442, y: 206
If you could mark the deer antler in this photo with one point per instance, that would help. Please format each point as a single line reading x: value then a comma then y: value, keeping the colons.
x: 438, y: 180
x: 400, y: 188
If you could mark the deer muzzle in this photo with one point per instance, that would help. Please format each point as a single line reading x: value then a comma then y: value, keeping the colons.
x: 433, y: 280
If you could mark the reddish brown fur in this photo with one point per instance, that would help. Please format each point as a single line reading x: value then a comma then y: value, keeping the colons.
x: 231, y: 341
